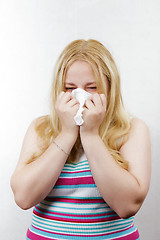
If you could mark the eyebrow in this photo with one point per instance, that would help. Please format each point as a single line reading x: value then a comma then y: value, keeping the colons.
x: 89, y: 83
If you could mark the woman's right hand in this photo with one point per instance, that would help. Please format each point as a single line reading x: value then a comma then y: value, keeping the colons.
x: 66, y: 107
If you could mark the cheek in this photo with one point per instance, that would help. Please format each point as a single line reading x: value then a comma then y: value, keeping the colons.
x: 92, y: 91
x: 68, y: 90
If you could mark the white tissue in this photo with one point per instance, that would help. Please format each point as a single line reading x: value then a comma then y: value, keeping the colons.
x: 81, y: 95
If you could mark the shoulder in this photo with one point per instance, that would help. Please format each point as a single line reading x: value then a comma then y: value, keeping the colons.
x: 38, y: 123
x: 32, y: 131
x: 33, y: 142
x: 38, y: 120
x: 138, y: 136
x: 37, y: 129
x: 138, y: 122
x: 138, y: 128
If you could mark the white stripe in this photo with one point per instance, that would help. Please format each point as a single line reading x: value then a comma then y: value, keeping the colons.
x: 75, y: 192
x: 72, y: 208
x: 78, y: 168
x: 70, y: 176
x: 91, y: 207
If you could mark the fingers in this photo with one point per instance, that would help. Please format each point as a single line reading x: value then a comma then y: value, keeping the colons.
x: 89, y: 103
x: 61, y: 94
x: 67, y: 98
x: 96, y: 100
x: 73, y: 102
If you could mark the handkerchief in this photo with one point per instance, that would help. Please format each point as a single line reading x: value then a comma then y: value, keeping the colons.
x: 81, y: 95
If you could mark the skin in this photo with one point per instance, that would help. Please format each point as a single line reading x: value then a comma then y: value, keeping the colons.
x: 124, y: 191
x: 80, y: 75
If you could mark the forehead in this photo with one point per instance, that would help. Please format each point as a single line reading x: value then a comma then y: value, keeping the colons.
x: 79, y: 70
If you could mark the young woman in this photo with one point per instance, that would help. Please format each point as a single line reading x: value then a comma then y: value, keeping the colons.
x: 88, y: 181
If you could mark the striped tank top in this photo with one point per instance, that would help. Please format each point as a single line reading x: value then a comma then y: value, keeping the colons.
x: 74, y: 209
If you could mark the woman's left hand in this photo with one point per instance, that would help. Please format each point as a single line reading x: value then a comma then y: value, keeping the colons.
x: 93, y: 114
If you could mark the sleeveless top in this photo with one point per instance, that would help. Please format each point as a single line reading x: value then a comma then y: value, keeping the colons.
x: 74, y: 209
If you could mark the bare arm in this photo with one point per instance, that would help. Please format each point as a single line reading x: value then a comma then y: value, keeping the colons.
x: 31, y: 182
x: 124, y: 191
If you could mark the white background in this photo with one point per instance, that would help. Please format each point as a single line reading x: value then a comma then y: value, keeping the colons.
x: 32, y: 35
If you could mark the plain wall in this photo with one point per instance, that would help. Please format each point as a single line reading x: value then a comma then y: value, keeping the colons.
x: 32, y: 35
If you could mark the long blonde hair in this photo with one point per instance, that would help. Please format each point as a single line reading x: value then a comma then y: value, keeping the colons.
x: 116, y: 123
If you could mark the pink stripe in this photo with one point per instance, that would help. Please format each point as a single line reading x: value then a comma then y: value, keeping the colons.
x: 85, y: 220
x: 75, y: 215
x: 84, y: 171
x: 34, y: 236
x: 73, y: 200
x: 75, y: 181
x: 131, y: 236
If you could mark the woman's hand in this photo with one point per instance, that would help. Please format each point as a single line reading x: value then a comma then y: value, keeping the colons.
x: 93, y: 114
x: 66, y: 107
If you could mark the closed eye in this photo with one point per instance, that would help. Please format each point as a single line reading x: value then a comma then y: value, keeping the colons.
x: 72, y: 88
x: 69, y: 88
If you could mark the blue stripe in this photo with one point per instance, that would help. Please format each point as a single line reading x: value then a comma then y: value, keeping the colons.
x: 78, y: 198
x: 78, y: 165
x: 83, y: 217
x: 68, y: 170
x: 80, y: 174
x: 76, y: 186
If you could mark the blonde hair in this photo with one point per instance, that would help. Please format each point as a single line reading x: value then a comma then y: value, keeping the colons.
x: 116, y: 124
